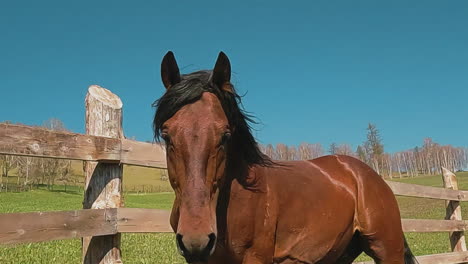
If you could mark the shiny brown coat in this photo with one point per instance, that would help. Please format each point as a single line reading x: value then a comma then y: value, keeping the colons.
x: 235, y: 206
x: 326, y: 210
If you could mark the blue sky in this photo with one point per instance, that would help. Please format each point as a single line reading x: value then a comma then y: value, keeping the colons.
x: 312, y: 71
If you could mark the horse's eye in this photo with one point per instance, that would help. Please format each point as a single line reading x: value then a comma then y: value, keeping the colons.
x: 166, y: 138
x: 225, y: 138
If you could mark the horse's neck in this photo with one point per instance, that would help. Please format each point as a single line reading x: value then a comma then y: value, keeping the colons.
x: 238, y: 180
x: 222, y: 209
x: 234, y: 172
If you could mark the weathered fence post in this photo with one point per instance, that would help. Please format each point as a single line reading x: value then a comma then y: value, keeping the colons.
x: 453, y: 212
x: 103, y: 181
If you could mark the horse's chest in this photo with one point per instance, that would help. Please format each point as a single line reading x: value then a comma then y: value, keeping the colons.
x: 241, y: 222
x: 287, y: 227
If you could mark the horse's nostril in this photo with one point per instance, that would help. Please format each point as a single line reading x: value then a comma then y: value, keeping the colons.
x: 180, y: 245
x: 211, y: 243
x: 197, y: 248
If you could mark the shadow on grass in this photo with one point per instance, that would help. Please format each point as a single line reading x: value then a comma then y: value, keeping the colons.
x: 67, y: 191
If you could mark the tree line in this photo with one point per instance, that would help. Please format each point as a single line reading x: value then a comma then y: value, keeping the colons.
x: 427, y: 159
x: 32, y: 171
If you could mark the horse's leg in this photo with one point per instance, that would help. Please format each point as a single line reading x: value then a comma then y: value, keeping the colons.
x: 353, y: 250
x: 384, y: 250
x: 251, y: 257
x: 377, y: 215
x: 382, y: 234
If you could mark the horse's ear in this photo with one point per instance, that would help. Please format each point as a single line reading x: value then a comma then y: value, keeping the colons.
x: 222, y: 72
x: 170, y: 74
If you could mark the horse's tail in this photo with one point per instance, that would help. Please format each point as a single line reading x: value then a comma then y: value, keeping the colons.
x: 409, y: 257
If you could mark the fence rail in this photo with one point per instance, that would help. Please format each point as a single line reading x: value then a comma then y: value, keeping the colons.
x: 414, y: 190
x: 30, y: 227
x: 46, y: 226
x: 104, y: 149
x: 444, y: 258
x: 23, y: 140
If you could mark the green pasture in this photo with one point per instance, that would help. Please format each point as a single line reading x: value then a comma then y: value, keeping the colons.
x: 160, y: 248
x: 136, y: 248
x: 135, y: 179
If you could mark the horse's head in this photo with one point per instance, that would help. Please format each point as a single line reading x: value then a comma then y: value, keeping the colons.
x: 200, y: 120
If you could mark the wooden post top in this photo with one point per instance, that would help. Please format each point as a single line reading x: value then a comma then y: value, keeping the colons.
x: 450, y: 179
x: 105, y: 96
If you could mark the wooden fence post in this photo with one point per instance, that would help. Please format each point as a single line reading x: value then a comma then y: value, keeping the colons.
x: 453, y: 212
x: 103, y: 181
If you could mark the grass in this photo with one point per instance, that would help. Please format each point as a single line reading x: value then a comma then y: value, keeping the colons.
x: 136, y: 248
x: 160, y: 248
x: 139, y: 179
x: 135, y: 179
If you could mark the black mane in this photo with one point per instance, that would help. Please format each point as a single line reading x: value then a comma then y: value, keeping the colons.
x: 189, y: 90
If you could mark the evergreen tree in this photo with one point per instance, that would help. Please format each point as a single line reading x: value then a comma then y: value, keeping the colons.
x: 374, y: 147
x: 333, y: 148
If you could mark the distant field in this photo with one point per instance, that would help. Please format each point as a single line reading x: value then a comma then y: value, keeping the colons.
x: 139, y: 179
x: 160, y: 248
x: 135, y: 179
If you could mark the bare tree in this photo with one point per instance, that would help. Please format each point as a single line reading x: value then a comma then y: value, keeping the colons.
x: 425, y: 159
x: 428, y: 159
x: 344, y: 149
x: 54, y: 169
x: 305, y: 151
x: 54, y: 124
x: 7, y: 163
x: 293, y: 153
x: 281, y: 151
x: 397, y: 161
x: 26, y: 170
x: 362, y: 154
x: 316, y: 150
x: 65, y: 173
x: 270, y: 151
x: 262, y: 148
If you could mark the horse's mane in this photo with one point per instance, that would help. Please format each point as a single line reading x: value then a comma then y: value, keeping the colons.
x: 189, y: 90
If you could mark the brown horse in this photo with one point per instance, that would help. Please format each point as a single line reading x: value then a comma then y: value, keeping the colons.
x: 234, y: 205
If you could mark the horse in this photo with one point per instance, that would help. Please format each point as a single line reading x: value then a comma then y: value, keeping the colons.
x: 235, y: 205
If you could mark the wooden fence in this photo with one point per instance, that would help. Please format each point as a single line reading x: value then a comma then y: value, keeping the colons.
x: 453, y: 223
x: 104, y: 149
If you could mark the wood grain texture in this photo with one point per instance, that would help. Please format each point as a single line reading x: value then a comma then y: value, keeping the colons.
x: 445, y: 258
x: 430, y: 225
x: 415, y: 190
x: 40, y: 142
x: 453, y: 212
x: 33, y: 227
x: 45, y: 226
x: 136, y: 220
x: 103, y: 181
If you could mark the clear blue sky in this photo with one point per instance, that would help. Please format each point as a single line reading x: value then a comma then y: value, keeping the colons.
x: 313, y: 71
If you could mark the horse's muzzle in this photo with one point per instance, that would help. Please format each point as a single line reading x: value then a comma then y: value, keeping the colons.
x: 196, y: 248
